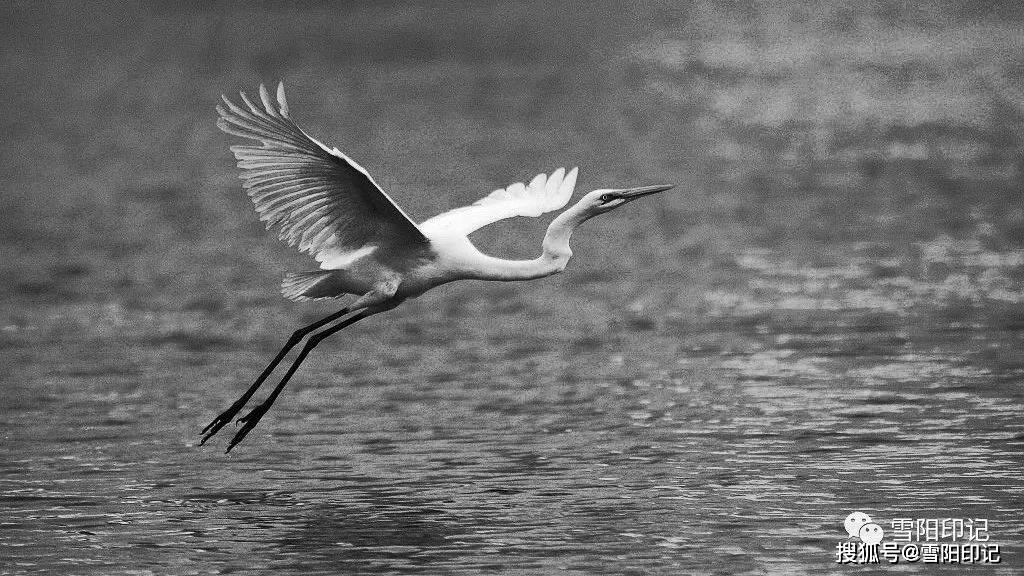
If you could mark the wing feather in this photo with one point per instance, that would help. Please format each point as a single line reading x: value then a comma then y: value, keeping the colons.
x: 322, y: 201
x: 543, y: 194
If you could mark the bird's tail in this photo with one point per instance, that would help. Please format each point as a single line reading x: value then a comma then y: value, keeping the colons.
x: 299, y: 285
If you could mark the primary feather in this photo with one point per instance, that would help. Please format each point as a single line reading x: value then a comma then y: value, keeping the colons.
x: 321, y: 201
x: 543, y: 194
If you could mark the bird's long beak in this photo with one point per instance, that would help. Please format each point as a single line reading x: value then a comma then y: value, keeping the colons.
x: 631, y: 194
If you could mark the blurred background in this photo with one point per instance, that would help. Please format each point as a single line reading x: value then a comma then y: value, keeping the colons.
x: 824, y: 316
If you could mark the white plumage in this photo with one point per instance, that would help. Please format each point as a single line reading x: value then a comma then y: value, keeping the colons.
x: 325, y: 204
x: 321, y: 201
x: 543, y: 194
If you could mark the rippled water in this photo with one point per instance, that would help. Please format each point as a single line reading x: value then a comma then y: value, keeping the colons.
x: 826, y: 315
x: 733, y: 443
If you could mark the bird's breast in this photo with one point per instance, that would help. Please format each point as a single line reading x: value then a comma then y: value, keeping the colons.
x: 452, y: 258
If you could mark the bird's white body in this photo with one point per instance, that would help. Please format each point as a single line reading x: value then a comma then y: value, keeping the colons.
x: 453, y: 256
x: 324, y: 203
x: 456, y: 258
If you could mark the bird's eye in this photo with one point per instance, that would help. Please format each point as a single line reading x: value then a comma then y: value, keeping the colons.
x: 606, y: 198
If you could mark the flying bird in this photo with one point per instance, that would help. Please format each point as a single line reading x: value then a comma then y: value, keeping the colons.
x: 325, y: 204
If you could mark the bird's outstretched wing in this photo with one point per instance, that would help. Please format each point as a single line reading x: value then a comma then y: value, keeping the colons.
x: 321, y: 201
x: 543, y: 194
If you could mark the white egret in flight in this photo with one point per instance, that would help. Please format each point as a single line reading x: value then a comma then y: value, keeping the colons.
x: 325, y: 204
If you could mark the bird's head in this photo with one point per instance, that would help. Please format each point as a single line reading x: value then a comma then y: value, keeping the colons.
x: 606, y: 200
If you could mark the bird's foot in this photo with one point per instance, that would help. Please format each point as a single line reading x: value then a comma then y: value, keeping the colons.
x: 248, y: 422
x: 222, y: 419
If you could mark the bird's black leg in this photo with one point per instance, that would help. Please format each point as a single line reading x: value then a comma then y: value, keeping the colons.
x: 250, y: 420
x: 228, y: 415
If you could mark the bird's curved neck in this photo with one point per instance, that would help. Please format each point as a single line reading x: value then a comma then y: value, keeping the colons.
x: 553, y: 258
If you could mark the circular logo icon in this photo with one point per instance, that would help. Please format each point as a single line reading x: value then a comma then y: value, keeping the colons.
x: 854, y: 522
x: 871, y: 533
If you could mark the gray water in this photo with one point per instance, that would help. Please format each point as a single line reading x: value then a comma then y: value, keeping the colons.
x: 733, y: 444
x: 825, y: 316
